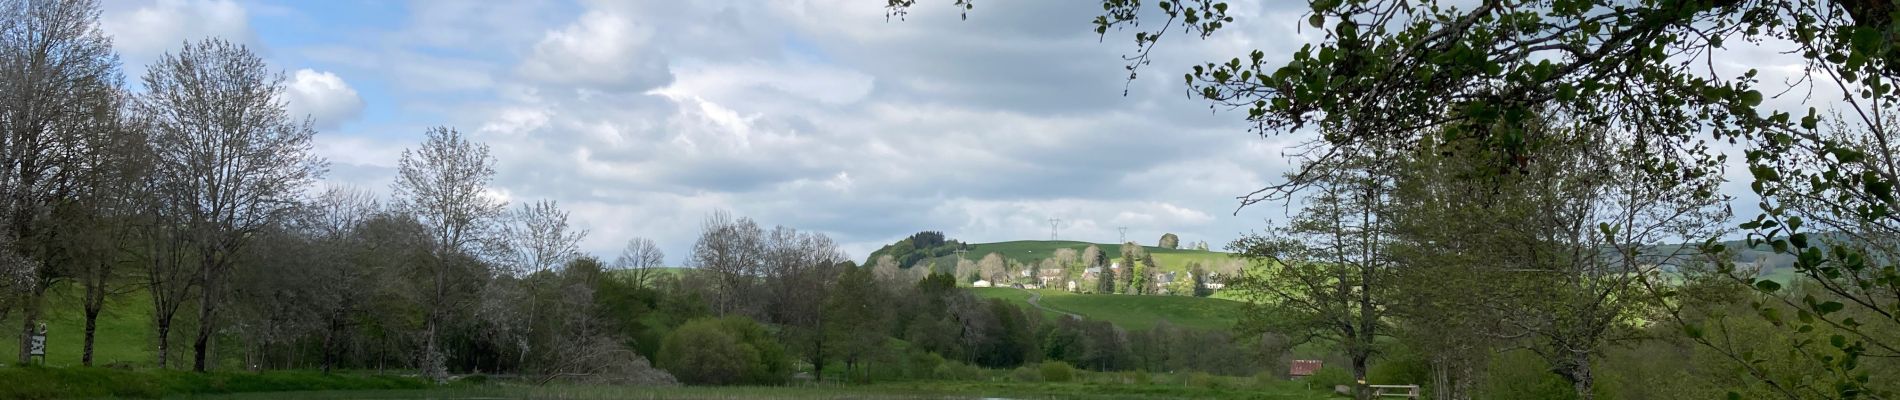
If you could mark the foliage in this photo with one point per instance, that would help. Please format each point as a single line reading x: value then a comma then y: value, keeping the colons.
x: 918, y: 247
x: 1169, y: 241
x: 1056, y: 371
x: 724, y: 351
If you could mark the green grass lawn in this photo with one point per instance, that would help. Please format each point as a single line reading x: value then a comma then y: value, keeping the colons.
x: 124, y: 334
x: 903, y: 390
x: 1128, y: 311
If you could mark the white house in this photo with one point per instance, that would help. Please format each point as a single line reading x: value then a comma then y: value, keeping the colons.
x: 981, y: 283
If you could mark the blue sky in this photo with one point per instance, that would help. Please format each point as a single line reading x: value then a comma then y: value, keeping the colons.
x: 641, y: 117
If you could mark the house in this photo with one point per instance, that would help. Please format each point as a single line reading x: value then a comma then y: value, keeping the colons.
x: 981, y: 283
x: 1072, y: 286
x: 1304, y: 368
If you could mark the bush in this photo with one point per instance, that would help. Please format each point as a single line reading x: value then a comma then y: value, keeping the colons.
x: 1025, y: 374
x: 1266, y: 379
x: 1057, y: 371
x: 955, y: 371
x: 1201, y: 380
x: 923, y: 365
x: 1329, y: 376
x: 724, y: 351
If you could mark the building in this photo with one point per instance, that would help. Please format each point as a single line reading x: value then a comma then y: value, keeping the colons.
x: 981, y: 283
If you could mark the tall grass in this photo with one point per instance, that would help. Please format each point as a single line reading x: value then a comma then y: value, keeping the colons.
x: 34, y: 382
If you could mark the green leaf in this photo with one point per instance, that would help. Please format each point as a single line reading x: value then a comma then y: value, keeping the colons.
x: 1829, y: 307
x: 1768, y: 286
x: 1751, y: 98
x: 1316, y: 20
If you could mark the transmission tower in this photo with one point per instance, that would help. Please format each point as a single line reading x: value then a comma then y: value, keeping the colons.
x: 1124, y: 232
x: 1054, y: 224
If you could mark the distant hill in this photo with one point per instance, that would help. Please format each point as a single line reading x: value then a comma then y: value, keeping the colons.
x: 1129, y: 312
x: 1030, y: 251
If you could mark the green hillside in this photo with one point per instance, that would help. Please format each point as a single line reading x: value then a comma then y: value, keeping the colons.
x: 124, y: 334
x: 1028, y: 251
x: 1128, y: 311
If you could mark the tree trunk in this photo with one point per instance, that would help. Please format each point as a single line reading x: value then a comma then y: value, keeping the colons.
x: 164, y: 340
x: 92, y: 324
x: 30, y: 313
x: 1359, y: 389
x: 206, y: 308
x: 1582, y: 379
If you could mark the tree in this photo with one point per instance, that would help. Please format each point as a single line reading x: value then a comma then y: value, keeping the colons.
x: 642, y: 258
x: 1326, y: 274
x: 444, y: 186
x: 61, y: 81
x: 1199, y: 275
x: 230, y: 160
x: 731, y: 252
x: 855, y: 315
x: 992, y: 268
x: 538, y: 238
x: 1169, y: 241
x: 1131, y: 254
x: 800, y: 268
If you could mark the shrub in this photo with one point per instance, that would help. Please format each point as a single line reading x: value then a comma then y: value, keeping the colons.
x: 1057, y: 371
x: 1330, y: 376
x: 1266, y: 379
x: 1025, y: 374
x: 956, y: 371
x: 724, y: 351
x: 1137, y: 377
x: 923, y: 365
x: 1201, y: 380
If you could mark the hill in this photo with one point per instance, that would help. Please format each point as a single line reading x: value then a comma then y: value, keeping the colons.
x: 1030, y: 251
x: 1127, y: 311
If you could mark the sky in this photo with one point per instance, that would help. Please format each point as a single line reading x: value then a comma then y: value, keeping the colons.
x: 642, y: 117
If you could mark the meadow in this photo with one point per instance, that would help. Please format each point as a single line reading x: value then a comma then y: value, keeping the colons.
x: 1130, y: 312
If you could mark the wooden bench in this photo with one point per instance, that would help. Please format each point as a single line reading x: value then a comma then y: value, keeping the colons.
x: 1407, y: 391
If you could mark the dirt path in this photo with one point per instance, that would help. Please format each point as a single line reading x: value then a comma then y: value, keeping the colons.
x: 1035, y: 299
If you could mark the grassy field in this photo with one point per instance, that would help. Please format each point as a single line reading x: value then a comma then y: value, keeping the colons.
x: 1128, y: 311
x: 51, y: 383
x: 1216, y: 389
x: 124, y: 334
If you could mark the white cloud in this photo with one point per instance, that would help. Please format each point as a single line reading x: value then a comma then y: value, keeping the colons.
x: 142, y: 32
x: 599, y: 49
x: 324, y: 97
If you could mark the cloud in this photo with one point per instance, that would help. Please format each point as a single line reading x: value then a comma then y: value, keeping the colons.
x: 142, y: 32
x: 600, y: 49
x: 323, y: 97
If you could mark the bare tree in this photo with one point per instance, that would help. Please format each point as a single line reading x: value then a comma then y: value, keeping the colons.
x: 59, y: 84
x: 642, y: 259
x: 538, y: 238
x: 731, y: 251
x: 991, y: 268
x: 230, y: 159
x: 444, y: 186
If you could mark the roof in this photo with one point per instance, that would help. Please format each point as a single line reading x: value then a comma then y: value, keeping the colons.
x: 1304, y: 367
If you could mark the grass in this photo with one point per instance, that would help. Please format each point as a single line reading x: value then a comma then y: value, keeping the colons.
x: 904, y: 390
x: 47, y: 383
x: 124, y: 335
x: 1128, y: 311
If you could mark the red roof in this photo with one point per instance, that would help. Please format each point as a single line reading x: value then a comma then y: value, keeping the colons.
x: 1304, y: 367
